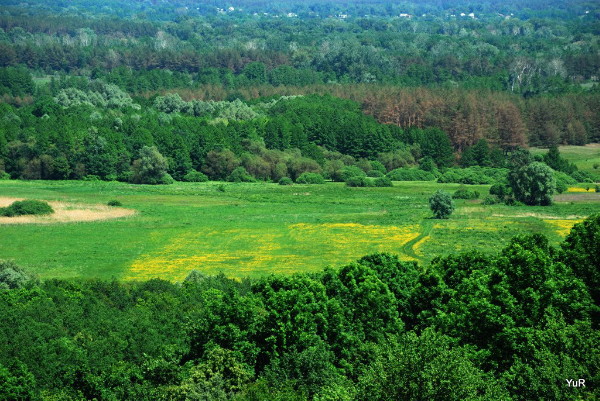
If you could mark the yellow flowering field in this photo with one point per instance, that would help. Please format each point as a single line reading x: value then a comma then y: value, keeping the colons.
x: 295, y: 247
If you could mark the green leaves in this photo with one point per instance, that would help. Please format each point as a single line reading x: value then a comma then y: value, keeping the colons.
x: 441, y: 204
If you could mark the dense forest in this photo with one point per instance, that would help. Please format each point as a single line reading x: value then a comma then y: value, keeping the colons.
x: 86, y: 87
x: 515, y: 325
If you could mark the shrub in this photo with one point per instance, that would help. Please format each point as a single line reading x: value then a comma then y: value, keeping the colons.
x: 4, y: 176
x: 195, y: 176
x: 240, y: 174
x: 500, y: 190
x: 221, y: 188
x: 410, y: 174
x: 358, y: 181
x: 310, y: 178
x: 114, y: 202
x: 376, y: 165
x: 26, y: 207
x: 352, y: 171
x: 563, y: 181
x: 597, y: 188
x: 91, y: 177
x: 512, y: 202
x: 474, y: 175
x: 375, y: 174
x: 490, y: 200
x: 596, y: 166
x: 582, y: 176
x: 166, y: 179
x: 382, y: 182
x: 463, y: 193
x: 441, y: 204
x: 286, y: 181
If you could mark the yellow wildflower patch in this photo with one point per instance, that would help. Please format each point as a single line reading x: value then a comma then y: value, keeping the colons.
x: 417, y: 247
x: 294, y: 248
x: 576, y: 189
x: 562, y: 227
x: 468, y: 225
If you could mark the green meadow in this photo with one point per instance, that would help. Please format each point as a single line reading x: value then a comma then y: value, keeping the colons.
x: 585, y: 157
x: 253, y: 229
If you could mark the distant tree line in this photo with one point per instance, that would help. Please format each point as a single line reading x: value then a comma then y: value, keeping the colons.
x: 539, y: 52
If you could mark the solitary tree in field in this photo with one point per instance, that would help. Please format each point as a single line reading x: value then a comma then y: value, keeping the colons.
x: 441, y: 204
x: 533, y: 184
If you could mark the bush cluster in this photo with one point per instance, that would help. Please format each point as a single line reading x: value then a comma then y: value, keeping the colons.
x: 463, y: 193
x: 410, y: 174
x: 360, y: 181
x: 474, y: 175
x: 26, y: 207
x: 310, y: 178
x: 195, y: 176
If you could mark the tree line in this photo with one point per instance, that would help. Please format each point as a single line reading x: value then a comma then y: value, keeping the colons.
x: 532, y: 54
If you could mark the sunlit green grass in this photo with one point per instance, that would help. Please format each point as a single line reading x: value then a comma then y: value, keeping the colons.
x: 261, y: 228
x: 585, y: 157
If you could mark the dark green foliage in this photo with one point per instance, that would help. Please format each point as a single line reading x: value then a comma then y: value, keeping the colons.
x: 382, y: 182
x: 474, y: 175
x: 310, y: 178
x: 195, y: 176
x: 463, y: 193
x: 16, y: 383
x: 351, y: 172
x: 26, y: 207
x: 582, y: 176
x: 410, y: 174
x: 376, y: 165
x: 375, y: 174
x: 114, y: 202
x: 441, y: 205
x: 286, y: 181
x: 427, y: 164
x: 16, y: 81
x: 563, y: 181
x: 533, y: 184
x: 239, y: 174
x: 555, y: 161
x: 490, y: 200
x: 401, y: 369
x: 581, y: 252
x: 359, y: 181
x: 500, y: 190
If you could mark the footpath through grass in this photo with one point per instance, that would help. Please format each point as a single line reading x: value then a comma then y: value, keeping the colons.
x: 259, y: 228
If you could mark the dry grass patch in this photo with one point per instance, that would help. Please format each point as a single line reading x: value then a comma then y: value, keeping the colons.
x: 65, y: 212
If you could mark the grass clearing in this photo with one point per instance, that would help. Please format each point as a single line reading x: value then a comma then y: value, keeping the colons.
x: 585, y: 157
x: 259, y: 228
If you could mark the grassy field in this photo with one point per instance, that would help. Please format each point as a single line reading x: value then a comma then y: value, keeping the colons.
x: 259, y: 228
x: 585, y: 157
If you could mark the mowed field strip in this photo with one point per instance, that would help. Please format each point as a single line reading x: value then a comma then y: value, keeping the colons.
x: 259, y: 228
